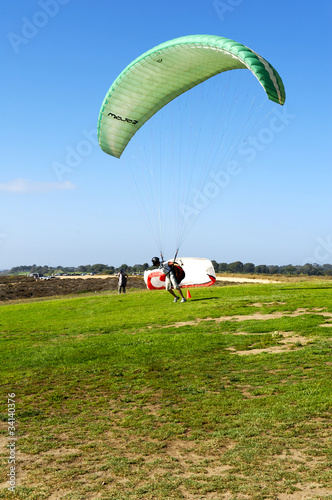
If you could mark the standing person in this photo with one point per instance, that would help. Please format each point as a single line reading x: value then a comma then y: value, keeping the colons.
x: 122, y: 281
x: 167, y: 269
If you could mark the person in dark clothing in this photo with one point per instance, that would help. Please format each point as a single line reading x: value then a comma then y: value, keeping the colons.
x: 122, y: 283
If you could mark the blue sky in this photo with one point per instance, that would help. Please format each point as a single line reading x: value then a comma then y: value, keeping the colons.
x: 60, y: 57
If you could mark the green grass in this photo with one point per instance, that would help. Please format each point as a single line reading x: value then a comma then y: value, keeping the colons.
x: 116, y: 401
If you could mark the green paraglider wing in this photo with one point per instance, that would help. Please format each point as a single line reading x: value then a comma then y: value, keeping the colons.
x: 168, y: 70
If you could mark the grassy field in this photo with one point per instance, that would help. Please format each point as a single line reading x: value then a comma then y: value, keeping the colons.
x: 134, y: 397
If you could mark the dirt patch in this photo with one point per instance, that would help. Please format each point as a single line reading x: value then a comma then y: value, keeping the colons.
x: 286, y: 341
x: 20, y: 475
x: 187, y: 458
x: 257, y: 316
x: 275, y: 315
x: 308, y: 493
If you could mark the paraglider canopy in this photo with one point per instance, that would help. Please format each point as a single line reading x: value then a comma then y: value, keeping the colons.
x: 196, y: 272
x: 167, y: 71
x: 180, y: 162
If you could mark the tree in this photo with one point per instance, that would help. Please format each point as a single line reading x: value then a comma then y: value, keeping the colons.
x: 235, y: 267
x: 215, y: 265
x: 327, y: 269
x: 83, y: 269
x: 273, y: 269
x: 98, y: 268
x: 290, y: 269
x: 125, y: 267
x: 311, y: 270
x: 262, y: 269
x: 110, y: 270
x: 248, y: 267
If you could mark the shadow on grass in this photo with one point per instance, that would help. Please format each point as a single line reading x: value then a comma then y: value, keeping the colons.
x: 205, y: 298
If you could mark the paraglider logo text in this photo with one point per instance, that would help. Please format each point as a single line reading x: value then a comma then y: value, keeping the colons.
x: 118, y: 117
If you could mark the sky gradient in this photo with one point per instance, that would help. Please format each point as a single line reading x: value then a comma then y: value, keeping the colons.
x: 64, y: 202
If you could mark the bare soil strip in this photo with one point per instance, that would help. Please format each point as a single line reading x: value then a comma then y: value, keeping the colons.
x: 256, y: 316
x: 286, y: 340
x: 245, y: 280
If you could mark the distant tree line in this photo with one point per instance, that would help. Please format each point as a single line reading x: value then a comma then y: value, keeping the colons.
x: 249, y: 268
x: 88, y: 269
x: 222, y: 267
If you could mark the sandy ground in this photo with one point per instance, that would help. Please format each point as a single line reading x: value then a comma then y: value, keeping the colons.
x: 245, y: 280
